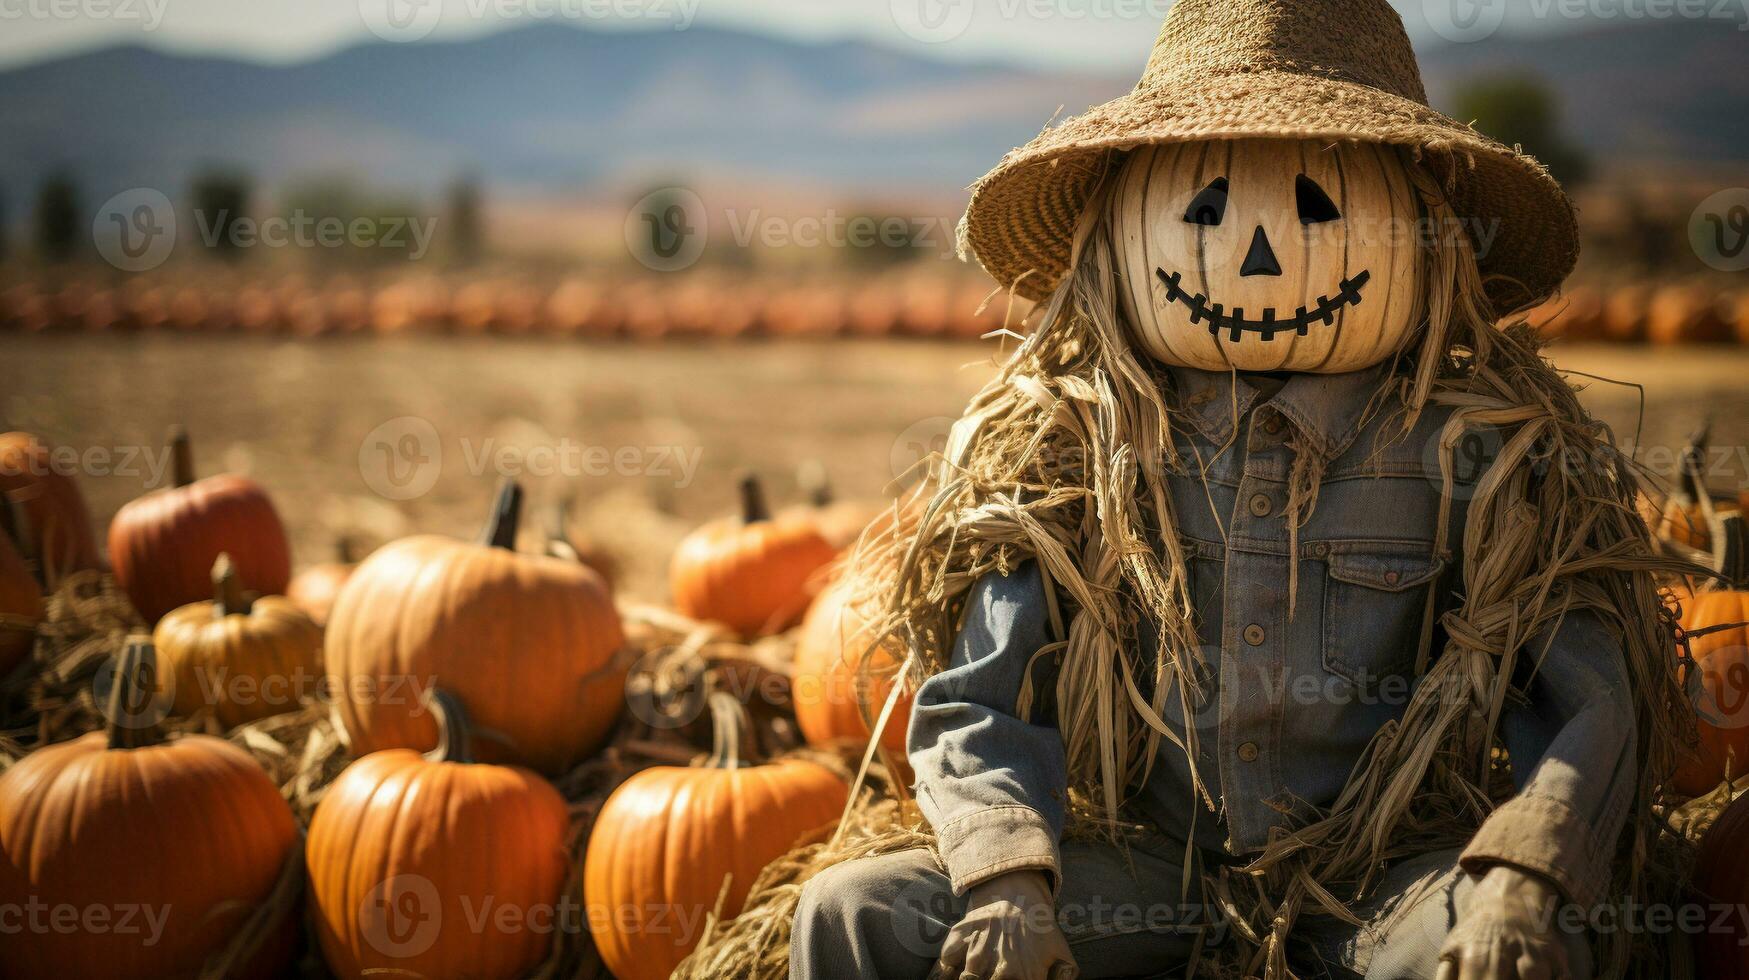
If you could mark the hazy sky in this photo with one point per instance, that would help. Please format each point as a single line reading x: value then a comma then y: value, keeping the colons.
x: 1098, y: 35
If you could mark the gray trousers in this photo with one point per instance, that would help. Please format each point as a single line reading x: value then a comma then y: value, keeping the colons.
x: 1123, y: 914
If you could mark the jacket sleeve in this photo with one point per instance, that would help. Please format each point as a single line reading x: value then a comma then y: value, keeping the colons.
x: 1573, y: 750
x: 990, y: 783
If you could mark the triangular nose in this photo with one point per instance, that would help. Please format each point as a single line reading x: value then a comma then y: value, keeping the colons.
x: 1260, y: 261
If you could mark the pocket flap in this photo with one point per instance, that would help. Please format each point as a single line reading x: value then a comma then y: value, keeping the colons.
x: 1386, y: 572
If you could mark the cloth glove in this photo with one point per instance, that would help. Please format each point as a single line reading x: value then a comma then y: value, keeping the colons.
x: 1009, y: 933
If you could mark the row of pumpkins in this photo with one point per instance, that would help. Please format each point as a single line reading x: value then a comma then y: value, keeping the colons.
x: 1674, y: 313
x: 446, y: 818
x: 705, y: 306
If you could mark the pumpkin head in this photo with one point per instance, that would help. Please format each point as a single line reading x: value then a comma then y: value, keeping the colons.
x: 834, y: 695
x: 1723, y: 695
x: 406, y: 850
x: 528, y: 642
x: 1267, y: 255
x: 191, y: 832
x: 163, y: 545
x: 315, y: 588
x: 61, y: 538
x: 21, y: 607
x: 244, y: 657
x: 668, y: 837
x: 753, y: 572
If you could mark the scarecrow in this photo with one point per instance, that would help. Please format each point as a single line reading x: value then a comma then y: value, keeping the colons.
x: 1277, y: 613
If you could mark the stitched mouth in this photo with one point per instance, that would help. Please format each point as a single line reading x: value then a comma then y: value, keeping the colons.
x: 1235, y: 323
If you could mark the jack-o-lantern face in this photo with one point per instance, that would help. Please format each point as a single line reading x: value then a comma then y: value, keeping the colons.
x: 1268, y: 255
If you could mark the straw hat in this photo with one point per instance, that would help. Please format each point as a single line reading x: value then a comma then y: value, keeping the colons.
x: 1295, y: 69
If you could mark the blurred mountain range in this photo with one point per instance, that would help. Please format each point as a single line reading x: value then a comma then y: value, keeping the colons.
x: 551, y: 107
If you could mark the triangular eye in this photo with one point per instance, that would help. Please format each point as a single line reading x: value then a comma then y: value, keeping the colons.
x: 1210, y: 206
x: 1315, y: 205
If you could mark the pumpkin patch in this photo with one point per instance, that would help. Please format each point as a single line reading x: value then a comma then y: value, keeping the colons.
x: 752, y: 572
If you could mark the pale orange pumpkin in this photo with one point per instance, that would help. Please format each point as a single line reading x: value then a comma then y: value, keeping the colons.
x: 669, y: 836
x: 315, y: 588
x: 163, y: 545
x: 189, y: 833
x: 528, y: 642
x: 60, y: 536
x: 835, y: 696
x: 406, y: 850
x: 1268, y: 254
x: 1723, y: 704
x: 753, y: 573
x: 840, y: 522
x: 244, y: 657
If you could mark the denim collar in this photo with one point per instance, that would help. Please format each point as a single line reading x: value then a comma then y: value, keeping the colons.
x: 1328, y: 409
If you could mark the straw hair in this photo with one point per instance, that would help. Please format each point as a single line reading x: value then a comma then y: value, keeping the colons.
x: 1328, y: 70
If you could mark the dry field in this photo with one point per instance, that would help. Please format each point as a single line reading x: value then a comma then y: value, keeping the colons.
x: 647, y: 438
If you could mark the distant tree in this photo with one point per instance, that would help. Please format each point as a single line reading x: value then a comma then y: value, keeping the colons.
x: 57, y: 218
x: 1521, y: 110
x: 466, y: 216
x: 221, y: 202
x: 874, y: 240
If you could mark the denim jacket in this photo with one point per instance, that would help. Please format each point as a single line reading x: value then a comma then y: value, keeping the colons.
x: 1293, y: 696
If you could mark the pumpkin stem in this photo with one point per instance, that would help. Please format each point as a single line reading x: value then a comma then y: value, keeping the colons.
x: 346, y: 549
x: 753, y: 509
x: 506, y: 513
x: 730, y: 730
x: 15, y: 520
x: 181, y: 457
x: 132, y: 691
x: 455, y: 735
x: 814, y: 481
x: 229, y: 596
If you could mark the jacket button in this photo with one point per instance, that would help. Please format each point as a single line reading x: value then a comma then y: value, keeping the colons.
x: 1254, y: 635
x: 1260, y: 505
x: 1392, y: 578
x: 1249, y: 752
x: 1319, y: 550
x: 1273, y: 425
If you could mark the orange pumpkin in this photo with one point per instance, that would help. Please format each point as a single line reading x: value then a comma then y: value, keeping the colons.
x: 163, y: 545
x: 562, y: 542
x: 406, y: 850
x: 668, y: 837
x: 840, y: 522
x: 242, y: 656
x: 60, y: 527
x: 1723, y: 703
x: 1721, y: 881
x: 528, y: 642
x: 1624, y: 313
x: 832, y: 692
x: 21, y: 607
x: 1685, y: 314
x: 185, y: 837
x: 315, y: 588
x: 751, y: 572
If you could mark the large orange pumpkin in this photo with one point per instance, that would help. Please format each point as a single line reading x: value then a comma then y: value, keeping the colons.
x: 242, y: 656
x: 1721, y: 882
x: 315, y: 588
x: 435, y: 866
x: 60, y: 527
x: 528, y: 642
x: 163, y: 545
x: 1723, y: 705
x: 751, y: 572
x: 21, y: 607
x: 832, y: 692
x: 668, y: 837
x: 174, y: 844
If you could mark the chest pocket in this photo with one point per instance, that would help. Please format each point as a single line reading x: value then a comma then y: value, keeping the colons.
x: 1375, y: 601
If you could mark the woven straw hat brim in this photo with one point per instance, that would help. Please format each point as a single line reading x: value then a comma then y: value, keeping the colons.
x: 1021, y: 221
